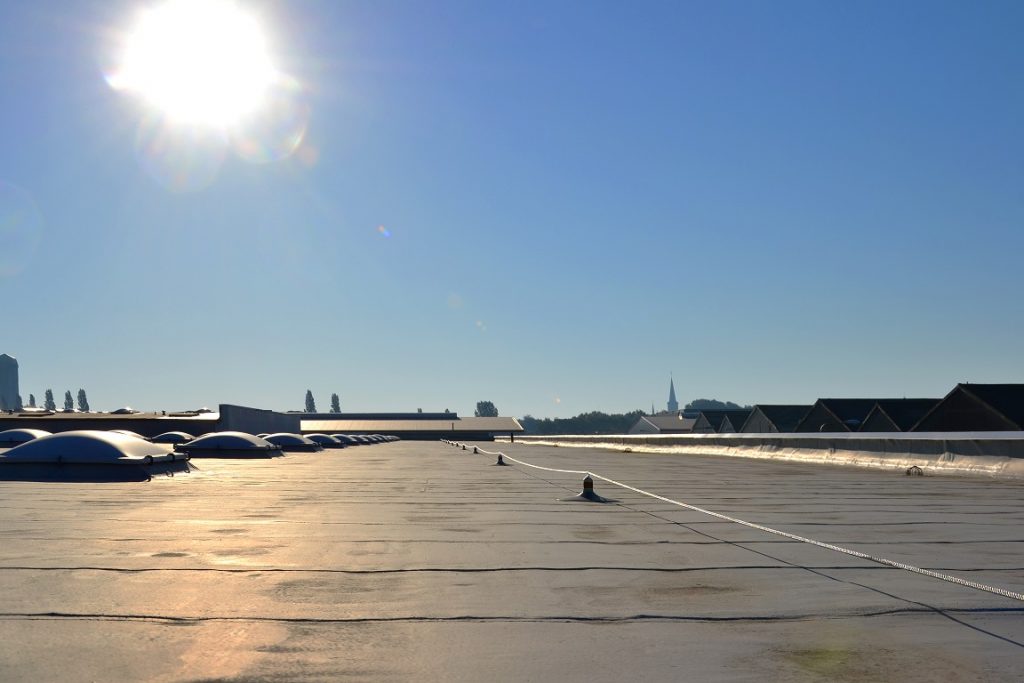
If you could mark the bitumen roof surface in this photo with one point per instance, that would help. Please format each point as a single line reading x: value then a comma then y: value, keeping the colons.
x: 456, y: 424
x: 417, y: 560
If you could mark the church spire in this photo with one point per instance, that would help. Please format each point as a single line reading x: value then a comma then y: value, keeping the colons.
x: 673, y: 405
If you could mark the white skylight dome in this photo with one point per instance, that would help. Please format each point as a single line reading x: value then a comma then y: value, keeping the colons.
x: 89, y: 456
x: 293, y: 442
x: 15, y: 437
x: 173, y: 437
x: 128, y: 432
x: 326, y: 440
x: 230, y: 444
x: 126, y: 410
x: 87, y: 447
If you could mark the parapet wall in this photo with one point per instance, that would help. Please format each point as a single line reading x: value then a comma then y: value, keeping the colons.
x: 991, y: 453
x: 256, y: 420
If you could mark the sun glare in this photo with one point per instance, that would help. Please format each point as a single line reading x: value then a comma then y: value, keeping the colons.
x: 201, y: 62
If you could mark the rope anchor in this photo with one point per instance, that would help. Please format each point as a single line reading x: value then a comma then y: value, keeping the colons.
x: 785, y: 534
x: 501, y: 462
x: 588, y: 493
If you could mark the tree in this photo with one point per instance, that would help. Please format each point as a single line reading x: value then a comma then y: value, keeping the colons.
x: 19, y: 405
x: 485, y: 409
x: 83, y: 402
x: 335, y: 404
x: 69, y: 403
x: 31, y: 400
x: 48, y: 402
x: 712, y: 404
x: 310, y: 403
x: 585, y: 423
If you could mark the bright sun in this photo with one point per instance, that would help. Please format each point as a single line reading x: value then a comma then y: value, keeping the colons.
x: 202, y: 62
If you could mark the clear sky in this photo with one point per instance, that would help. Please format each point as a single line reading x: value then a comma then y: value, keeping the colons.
x: 550, y: 205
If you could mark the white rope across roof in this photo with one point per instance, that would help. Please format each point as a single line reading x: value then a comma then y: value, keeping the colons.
x: 785, y: 534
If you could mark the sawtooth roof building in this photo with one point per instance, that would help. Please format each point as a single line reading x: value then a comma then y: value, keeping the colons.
x: 977, y: 408
x: 721, y: 421
x: 663, y: 424
x: 775, y: 418
x: 837, y: 415
x: 897, y: 414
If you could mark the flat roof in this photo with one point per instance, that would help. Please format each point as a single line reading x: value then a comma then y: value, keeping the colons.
x: 463, y: 424
x: 59, y: 415
x: 421, y: 561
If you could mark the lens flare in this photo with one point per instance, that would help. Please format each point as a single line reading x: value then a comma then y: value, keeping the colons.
x: 276, y: 130
x: 384, y: 232
x: 308, y: 154
x: 20, y: 228
x: 180, y: 158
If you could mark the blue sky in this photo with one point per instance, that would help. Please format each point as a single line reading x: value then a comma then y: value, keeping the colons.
x: 773, y: 201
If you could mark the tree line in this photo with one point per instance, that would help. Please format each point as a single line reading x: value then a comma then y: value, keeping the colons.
x: 311, y: 403
x: 713, y: 404
x: 604, y: 423
x: 50, y: 404
x: 585, y: 423
x: 483, y: 408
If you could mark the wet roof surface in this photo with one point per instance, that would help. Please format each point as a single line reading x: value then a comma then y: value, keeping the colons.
x: 416, y: 560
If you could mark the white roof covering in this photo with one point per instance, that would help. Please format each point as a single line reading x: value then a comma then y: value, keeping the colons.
x: 16, y: 436
x: 85, y: 447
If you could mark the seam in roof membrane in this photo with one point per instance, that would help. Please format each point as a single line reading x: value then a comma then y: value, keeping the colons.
x: 785, y: 534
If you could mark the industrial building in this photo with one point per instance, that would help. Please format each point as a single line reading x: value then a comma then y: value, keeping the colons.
x: 836, y: 415
x: 258, y: 421
x: 663, y: 424
x: 775, y: 418
x: 977, y: 407
x: 897, y: 414
x: 10, y: 398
